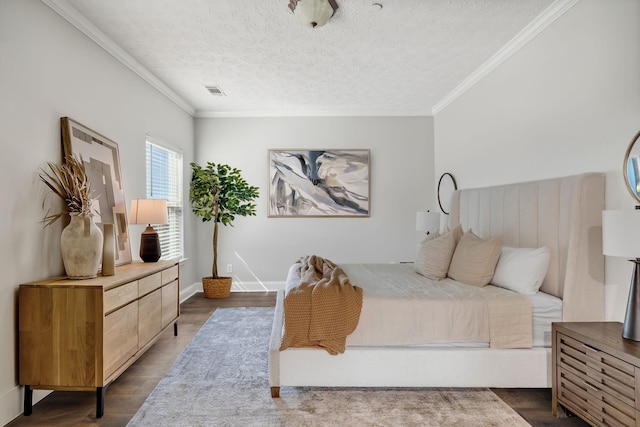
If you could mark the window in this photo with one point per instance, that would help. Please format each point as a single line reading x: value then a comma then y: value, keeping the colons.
x: 164, y: 181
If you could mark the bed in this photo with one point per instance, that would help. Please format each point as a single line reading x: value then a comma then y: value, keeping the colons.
x: 561, y: 214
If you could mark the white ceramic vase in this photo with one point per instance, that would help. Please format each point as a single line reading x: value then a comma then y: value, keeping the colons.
x: 81, y: 245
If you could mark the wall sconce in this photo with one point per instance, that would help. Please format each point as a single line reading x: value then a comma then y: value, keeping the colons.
x: 313, y: 13
x: 149, y: 211
x: 427, y: 222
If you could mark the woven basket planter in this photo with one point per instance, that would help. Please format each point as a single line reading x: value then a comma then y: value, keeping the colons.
x: 216, y: 288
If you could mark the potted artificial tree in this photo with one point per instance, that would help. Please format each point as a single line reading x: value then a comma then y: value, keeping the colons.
x: 218, y: 193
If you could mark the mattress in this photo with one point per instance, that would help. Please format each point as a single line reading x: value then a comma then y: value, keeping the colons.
x: 394, y: 311
x: 546, y: 310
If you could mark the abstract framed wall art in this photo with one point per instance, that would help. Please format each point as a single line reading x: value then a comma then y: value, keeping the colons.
x: 319, y: 183
x: 102, y: 162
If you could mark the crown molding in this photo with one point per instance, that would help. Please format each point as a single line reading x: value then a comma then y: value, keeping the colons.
x: 315, y: 113
x: 69, y: 13
x: 65, y: 10
x: 546, y: 18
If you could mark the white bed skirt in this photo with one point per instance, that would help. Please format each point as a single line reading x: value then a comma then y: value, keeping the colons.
x: 406, y: 366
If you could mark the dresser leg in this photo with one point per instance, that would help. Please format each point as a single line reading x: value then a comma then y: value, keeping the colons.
x: 275, y: 392
x: 175, y: 329
x: 100, y: 392
x: 28, y: 400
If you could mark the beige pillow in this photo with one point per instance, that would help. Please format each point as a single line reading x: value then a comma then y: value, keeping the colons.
x: 434, y: 256
x: 474, y: 260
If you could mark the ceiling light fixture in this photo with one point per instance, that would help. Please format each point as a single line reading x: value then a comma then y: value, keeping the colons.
x: 313, y: 13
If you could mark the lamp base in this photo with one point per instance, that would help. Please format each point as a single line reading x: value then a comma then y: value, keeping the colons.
x: 631, y: 327
x: 150, y: 245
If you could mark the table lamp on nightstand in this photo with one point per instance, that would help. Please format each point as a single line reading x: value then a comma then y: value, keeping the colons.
x: 428, y: 222
x: 621, y: 238
x: 149, y: 211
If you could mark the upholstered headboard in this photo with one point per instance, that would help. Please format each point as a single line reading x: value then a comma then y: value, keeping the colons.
x: 564, y: 214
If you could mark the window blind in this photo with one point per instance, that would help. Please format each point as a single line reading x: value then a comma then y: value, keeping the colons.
x: 164, y: 181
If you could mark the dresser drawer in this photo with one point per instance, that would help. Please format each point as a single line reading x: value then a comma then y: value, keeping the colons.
x: 120, y: 337
x: 149, y: 284
x: 170, y: 274
x: 149, y: 317
x: 170, y: 305
x: 120, y: 296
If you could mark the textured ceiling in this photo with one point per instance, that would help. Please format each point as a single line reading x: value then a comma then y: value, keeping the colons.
x: 399, y: 60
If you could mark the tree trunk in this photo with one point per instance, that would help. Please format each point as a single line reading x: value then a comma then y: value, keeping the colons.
x: 214, y: 270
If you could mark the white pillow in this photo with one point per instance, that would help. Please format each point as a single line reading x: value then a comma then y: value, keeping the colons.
x: 521, y: 269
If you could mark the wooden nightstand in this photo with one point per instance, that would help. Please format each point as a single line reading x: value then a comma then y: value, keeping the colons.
x: 596, y: 373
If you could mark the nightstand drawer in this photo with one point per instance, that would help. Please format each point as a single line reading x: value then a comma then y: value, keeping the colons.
x: 596, y: 373
x: 598, y: 368
x: 573, y: 392
x: 584, y: 397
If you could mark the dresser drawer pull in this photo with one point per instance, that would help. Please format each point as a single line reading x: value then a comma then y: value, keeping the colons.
x: 592, y: 387
x: 589, y: 348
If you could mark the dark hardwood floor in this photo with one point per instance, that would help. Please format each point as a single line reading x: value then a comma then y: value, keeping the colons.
x: 125, y: 395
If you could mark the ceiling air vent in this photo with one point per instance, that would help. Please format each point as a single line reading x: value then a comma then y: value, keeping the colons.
x: 215, y: 90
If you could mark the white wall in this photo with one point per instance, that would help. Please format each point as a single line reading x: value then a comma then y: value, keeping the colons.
x: 566, y: 103
x: 261, y: 249
x: 48, y: 69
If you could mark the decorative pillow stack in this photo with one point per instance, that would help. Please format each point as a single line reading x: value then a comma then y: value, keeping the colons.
x: 470, y: 259
x: 435, y: 252
x: 474, y: 260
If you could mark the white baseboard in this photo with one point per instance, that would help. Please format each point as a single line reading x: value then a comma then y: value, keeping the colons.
x: 255, y: 286
x: 12, y: 403
x: 189, y: 291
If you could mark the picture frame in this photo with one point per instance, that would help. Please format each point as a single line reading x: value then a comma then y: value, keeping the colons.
x: 102, y: 163
x: 319, y: 183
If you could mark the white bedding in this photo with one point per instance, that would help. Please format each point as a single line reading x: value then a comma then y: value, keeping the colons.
x: 394, y: 290
x: 546, y: 310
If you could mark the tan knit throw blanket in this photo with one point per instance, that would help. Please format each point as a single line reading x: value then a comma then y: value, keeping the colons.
x: 323, y: 309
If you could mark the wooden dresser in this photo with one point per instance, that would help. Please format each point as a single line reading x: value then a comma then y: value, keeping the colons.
x: 596, y: 373
x: 82, y: 334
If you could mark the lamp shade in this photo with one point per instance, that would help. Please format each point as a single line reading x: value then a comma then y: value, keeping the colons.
x: 427, y: 222
x: 621, y: 233
x: 148, y: 211
x: 313, y: 13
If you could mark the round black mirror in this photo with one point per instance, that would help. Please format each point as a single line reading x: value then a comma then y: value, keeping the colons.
x: 446, y: 186
x: 631, y: 167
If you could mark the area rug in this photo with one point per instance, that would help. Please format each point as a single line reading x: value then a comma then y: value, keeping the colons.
x: 221, y: 379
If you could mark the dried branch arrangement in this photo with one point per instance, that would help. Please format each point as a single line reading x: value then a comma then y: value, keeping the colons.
x: 68, y: 181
